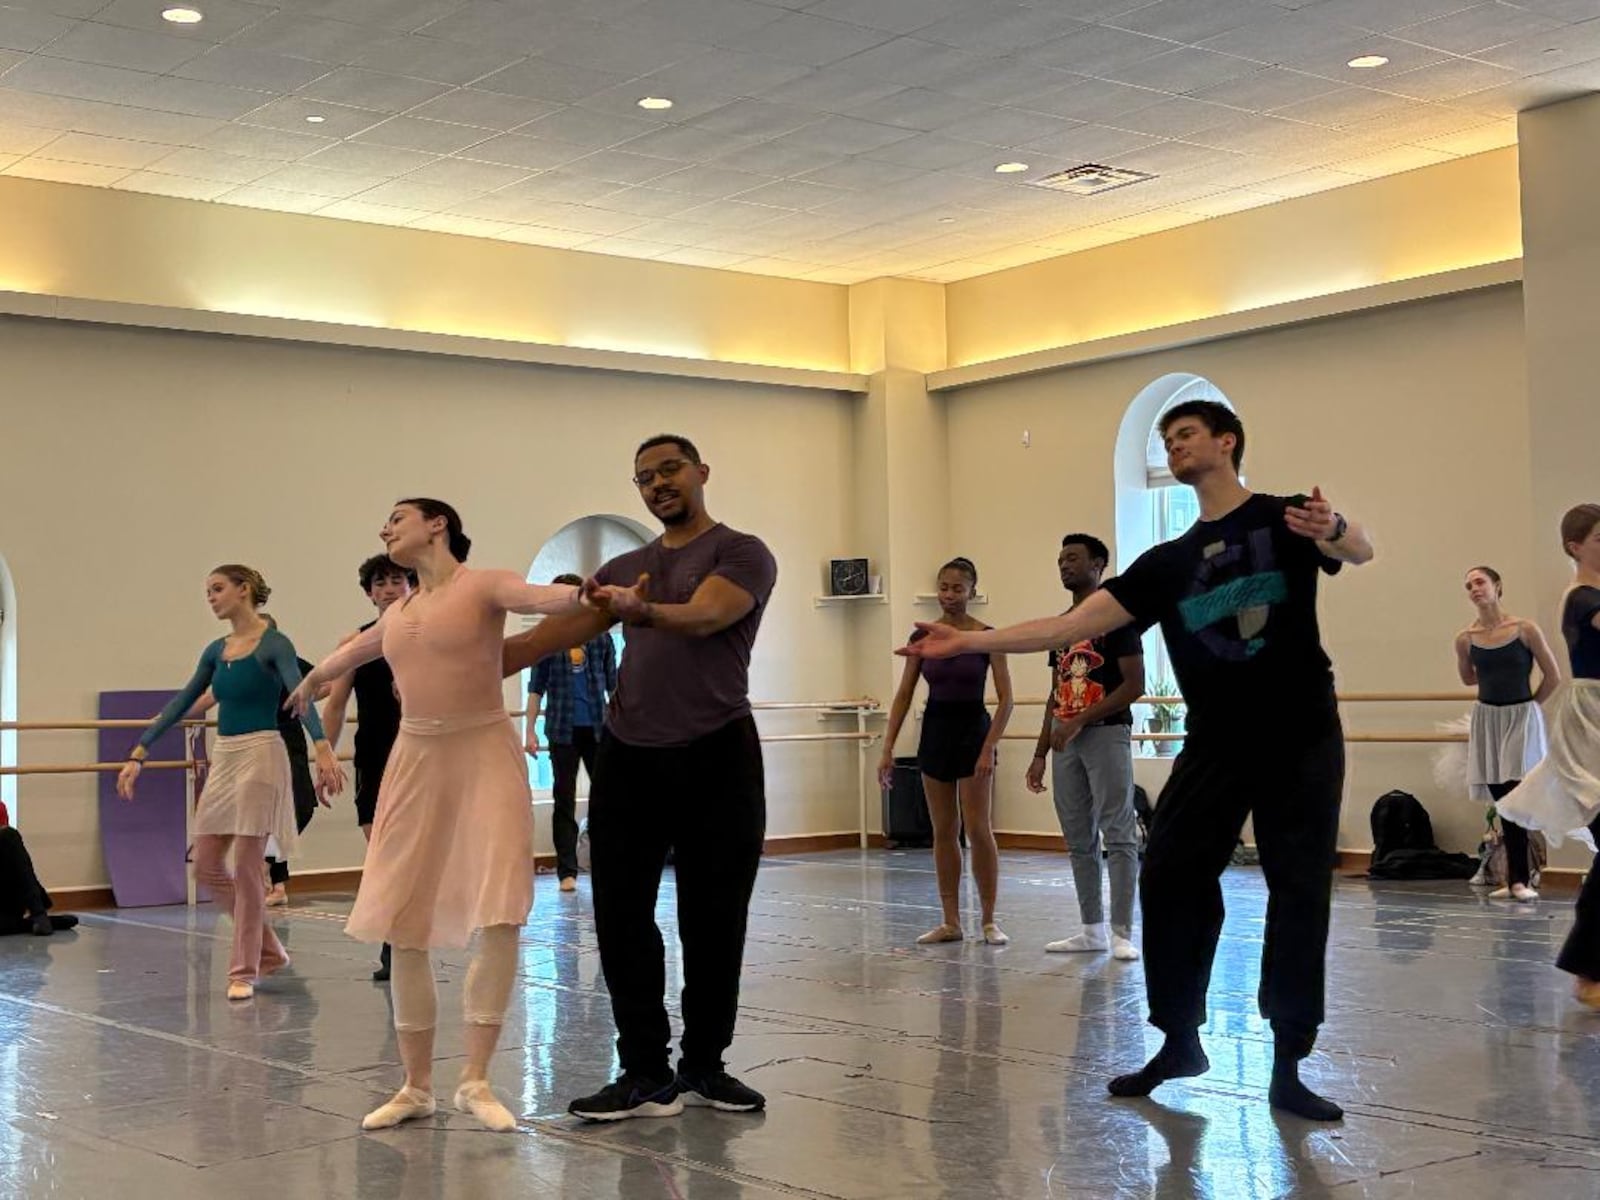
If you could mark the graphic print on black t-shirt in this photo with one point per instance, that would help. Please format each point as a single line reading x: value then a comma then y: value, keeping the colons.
x: 1087, y: 672
x: 1232, y: 595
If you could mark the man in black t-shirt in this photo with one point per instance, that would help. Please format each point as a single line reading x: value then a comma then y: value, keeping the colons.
x: 1236, y: 601
x: 1088, y: 724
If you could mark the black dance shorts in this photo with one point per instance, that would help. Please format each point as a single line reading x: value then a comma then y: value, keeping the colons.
x: 952, y: 738
x: 369, y: 778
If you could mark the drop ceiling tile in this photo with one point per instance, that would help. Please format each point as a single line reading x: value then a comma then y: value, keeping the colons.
x: 487, y: 110
x: 920, y: 108
x: 835, y: 90
x: 1551, y: 51
x: 688, y: 101
x: 224, y: 18
x: 783, y: 268
x: 9, y: 59
x: 215, y: 166
x: 752, y: 119
x: 468, y: 175
x: 67, y: 172
x: 462, y: 226
x: 1478, y: 28
x: 300, y: 36
x: 176, y: 186
x: 317, y: 181
x: 415, y: 133
x: 913, y: 62
x: 1346, y: 107
x: 502, y: 206
x: 892, y: 16
x: 1231, y: 201
x: 254, y: 141
x: 1174, y: 158
x: 252, y: 196
x: 620, y: 167
x: 674, y: 232
x: 993, y: 26
x: 374, y: 90
x: 845, y: 135
x: 29, y: 31
x: 1448, y: 79
x: 647, y: 202
x: 358, y: 158
x: 400, y: 16
x: 289, y: 113
x: 588, y: 43
x: 488, y: 23
x: 1392, y: 162
x: 1098, y: 50
x: 779, y: 159
x: 589, y: 129
x: 1173, y: 118
x: 1305, y: 183
x: 1159, y: 221
x: 252, y: 70
x: 1073, y: 240
x: 579, y: 219
x: 1092, y: 143
x: 197, y: 98
x: 934, y: 152
x: 427, y: 197
x: 435, y: 58
x: 80, y: 9
x: 694, y: 257
x: 711, y: 182
x: 860, y: 174
x: 1279, y: 37
x: 733, y: 72
x: 1417, y: 123
x: 630, y: 247
x: 374, y: 214
x: 25, y: 139
x: 1385, y: 16
x: 1267, y: 89
x: 713, y: 21
x: 1183, y: 70
x: 1334, y: 58
x: 1509, y: 99
x: 515, y: 150
x: 1000, y: 127
x: 1094, y: 100
x: 84, y: 81
x: 687, y: 143
x: 105, y: 151
x: 572, y: 188
x: 539, y: 235
x: 1189, y: 21
x: 1490, y: 136
x: 47, y: 112
x: 808, y: 40
x: 542, y: 79
x: 792, y: 194
x: 1574, y: 11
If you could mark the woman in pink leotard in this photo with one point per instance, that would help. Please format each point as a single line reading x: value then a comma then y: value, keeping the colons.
x: 452, y: 846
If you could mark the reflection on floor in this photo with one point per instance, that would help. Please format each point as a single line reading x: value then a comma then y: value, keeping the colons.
x: 959, y: 1071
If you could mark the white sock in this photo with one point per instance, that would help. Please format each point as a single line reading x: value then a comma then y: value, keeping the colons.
x: 1093, y: 937
x: 477, y: 1098
x: 408, y: 1105
x: 1122, y: 947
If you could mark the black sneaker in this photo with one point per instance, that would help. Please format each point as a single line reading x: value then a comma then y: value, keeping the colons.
x: 630, y: 1096
x: 719, y: 1090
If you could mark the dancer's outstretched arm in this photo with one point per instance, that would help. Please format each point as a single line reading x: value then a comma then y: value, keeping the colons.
x: 551, y: 636
x: 1097, y: 615
x: 359, y: 650
x: 517, y: 595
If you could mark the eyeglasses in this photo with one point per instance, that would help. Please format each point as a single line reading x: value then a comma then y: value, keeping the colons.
x: 665, y: 471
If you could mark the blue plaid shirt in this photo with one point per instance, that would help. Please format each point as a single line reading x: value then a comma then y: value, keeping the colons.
x: 553, y: 679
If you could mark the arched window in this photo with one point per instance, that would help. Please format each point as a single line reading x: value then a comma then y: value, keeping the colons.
x: 8, y: 685
x: 578, y: 549
x: 1153, y: 507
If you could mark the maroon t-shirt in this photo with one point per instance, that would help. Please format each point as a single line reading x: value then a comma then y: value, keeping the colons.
x: 673, y: 689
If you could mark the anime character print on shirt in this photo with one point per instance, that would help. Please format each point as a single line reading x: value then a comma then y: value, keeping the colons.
x: 1230, y: 601
x: 1075, y: 691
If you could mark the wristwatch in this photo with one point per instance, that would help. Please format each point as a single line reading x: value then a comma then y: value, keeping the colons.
x: 1340, y: 526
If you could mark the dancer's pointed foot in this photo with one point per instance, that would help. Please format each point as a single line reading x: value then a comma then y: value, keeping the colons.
x: 1180, y: 1057
x: 409, y: 1104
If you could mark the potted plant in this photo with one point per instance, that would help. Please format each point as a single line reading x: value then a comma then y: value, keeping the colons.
x: 1165, y: 718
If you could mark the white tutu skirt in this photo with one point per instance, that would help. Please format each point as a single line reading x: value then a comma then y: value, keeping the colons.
x: 1505, y: 743
x: 1562, y: 794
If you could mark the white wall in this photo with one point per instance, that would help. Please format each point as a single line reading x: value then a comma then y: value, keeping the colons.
x: 134, y: 461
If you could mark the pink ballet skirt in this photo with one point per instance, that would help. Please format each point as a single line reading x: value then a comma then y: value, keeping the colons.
x: 452, y: 845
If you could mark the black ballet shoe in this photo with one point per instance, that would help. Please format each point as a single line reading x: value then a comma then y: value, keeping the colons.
x: 1181, y: 1057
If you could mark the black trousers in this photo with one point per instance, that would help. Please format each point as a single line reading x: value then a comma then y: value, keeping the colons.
x: 1580, y: 953
x: 1293, y: 791
x: 1519, y: 861
x: 707, y: 802
x: 21, y: 894
x: 564, y: 762
x: 305, y: 803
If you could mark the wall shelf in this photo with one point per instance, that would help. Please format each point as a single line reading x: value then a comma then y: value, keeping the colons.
x: 830, y: 601
x: 932, y: 598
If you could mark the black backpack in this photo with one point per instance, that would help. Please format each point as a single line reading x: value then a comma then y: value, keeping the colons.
x: 1402, y: 843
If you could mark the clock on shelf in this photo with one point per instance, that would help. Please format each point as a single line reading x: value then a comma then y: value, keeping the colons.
x: 847, y: 577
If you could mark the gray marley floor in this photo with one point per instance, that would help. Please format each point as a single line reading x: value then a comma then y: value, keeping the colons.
x: 959, y: 1071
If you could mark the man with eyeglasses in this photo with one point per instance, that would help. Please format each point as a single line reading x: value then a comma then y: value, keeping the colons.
x: 678, y: 768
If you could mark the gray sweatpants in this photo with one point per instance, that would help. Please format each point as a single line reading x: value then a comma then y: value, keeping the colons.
x: 1093, y: 792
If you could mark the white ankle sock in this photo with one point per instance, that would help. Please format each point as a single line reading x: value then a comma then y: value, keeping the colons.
x: 477, y: 1098
x: 1122, y: 948
x: 408, y: 1105
x: 1093, y: 937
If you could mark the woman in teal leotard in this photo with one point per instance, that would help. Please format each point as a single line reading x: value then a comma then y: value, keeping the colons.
x: 248, y: 796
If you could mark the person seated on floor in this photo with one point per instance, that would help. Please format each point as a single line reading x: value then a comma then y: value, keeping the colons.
x: 24, y: 904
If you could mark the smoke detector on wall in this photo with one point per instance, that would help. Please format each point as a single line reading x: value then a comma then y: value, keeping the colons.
x: 1091, y: 179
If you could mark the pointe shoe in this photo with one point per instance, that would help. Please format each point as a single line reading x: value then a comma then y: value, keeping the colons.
x: 277, y: 896
x: 238, y: 989
x: 477, y: 1099
x: 994, y: 935
x: 408, y: 1104
x: 941, y: 933
x: 1521, y: 891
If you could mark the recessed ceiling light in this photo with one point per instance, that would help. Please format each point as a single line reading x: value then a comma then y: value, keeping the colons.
x: 947, y: 220
x: 655, y: 103
x: 314, y: 119
x: 1010, y: 168
x: 1368, y: 61
x: 182, y: 16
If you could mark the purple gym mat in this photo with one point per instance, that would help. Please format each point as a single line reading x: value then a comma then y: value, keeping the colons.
x: 143, y: 842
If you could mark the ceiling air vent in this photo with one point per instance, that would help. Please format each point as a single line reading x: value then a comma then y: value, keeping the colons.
x: 1091, y: 179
